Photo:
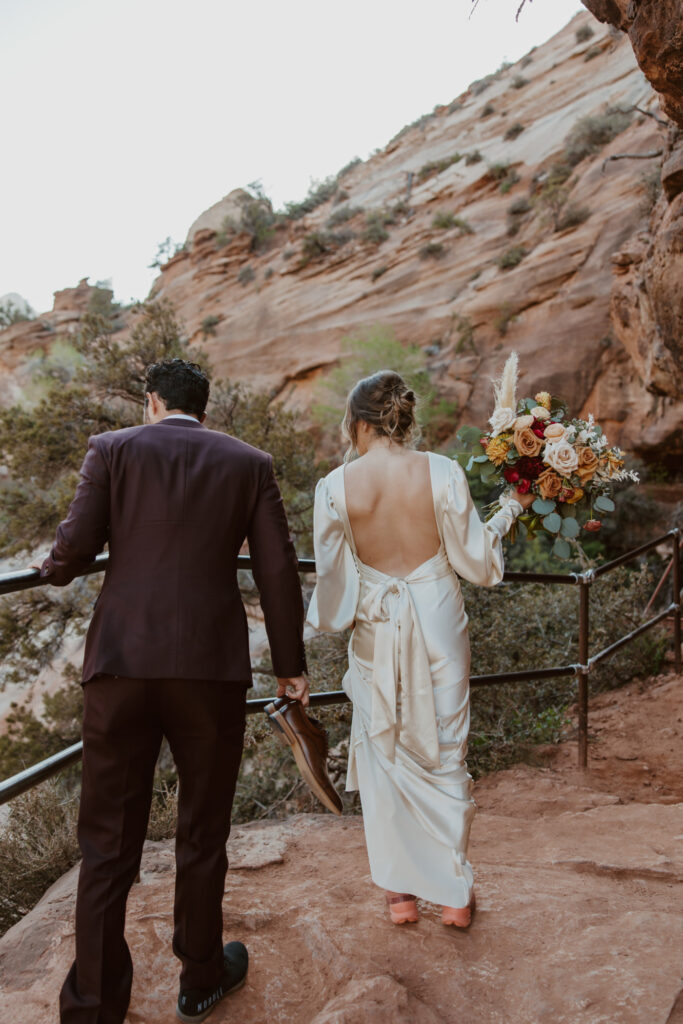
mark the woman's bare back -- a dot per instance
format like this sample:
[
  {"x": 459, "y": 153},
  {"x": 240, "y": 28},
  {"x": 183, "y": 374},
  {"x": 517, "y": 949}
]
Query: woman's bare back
[{"x": 391, "y": 509}]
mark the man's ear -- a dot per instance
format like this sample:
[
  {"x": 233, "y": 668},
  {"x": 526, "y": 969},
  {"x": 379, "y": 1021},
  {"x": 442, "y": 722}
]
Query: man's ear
[{"x": 202, "y": 417}]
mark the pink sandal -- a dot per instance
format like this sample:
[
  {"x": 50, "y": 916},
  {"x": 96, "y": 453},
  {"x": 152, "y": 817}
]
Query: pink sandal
[
  {"x": 402, "y": 908},
  {"x": 461, "y": 917}
]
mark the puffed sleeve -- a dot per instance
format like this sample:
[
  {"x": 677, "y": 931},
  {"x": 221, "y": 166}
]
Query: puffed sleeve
[
  {"x": 335, "y": 598},
  {"x": 474, "y": 548}
]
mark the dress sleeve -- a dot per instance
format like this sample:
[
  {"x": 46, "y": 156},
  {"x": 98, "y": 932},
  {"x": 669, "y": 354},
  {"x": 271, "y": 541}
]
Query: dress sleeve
[
  {"x": 474, "y": 548},
  {"x": 335, "y": 598}
]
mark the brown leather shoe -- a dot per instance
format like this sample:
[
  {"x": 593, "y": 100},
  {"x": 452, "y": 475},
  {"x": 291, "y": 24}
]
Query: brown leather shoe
[{"x": 308, "y": 741}]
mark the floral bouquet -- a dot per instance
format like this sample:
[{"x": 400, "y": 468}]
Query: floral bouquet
[{"x": 536, "y": 446}]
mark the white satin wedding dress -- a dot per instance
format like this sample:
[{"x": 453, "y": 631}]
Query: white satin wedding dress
[{"x": 408, "y": 678}]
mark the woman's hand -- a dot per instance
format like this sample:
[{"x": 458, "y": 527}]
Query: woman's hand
[{"x": 525, "y": 500}]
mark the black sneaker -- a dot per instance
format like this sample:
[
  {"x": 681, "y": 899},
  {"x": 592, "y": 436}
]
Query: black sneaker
[{"x": 195, "y": 1004}]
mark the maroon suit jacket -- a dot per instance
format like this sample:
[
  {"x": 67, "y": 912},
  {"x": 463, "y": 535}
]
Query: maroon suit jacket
[{"x": 175, "y": 502}]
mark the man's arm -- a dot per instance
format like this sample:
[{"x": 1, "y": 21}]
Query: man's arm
[
  {"x": 84, "y": 531},
  {"x": 275, "y": 568}
]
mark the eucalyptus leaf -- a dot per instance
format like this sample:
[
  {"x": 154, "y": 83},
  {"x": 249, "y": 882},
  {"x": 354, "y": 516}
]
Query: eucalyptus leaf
[
  {"x": 561, "y": 548},
  {"x": 543, "y": 506},
  {"x": 481, "y": 458},
  {"x": 552, "y": 523},
  {"x": 470, "y": 463},
  {"x": 570, "y": 528},
  {"x": 604, "y": 504},
  {"x": 469, "y": 435}
]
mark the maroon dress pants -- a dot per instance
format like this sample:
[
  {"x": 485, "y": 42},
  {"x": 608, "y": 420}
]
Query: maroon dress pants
[{"x": 124, "y": 721}]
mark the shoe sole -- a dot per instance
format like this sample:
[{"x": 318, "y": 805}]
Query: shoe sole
[
  {"x": 287, "y": 737},
  {"x": 202, "y": 1016}
]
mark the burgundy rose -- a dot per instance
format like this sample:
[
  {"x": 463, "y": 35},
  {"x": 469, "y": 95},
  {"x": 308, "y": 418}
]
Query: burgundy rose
[
  {"x": 524, "y": 486},
  {"x": 593, "y": 525},
  {"x": 538, "y": 428},
  {"x": 511, "y": 474},
  {"x": 529, "y": 467}
]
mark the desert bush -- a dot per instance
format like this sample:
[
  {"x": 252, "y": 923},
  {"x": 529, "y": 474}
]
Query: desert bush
[
  {"x": 590, "y": 134},
  {"x": 437, "y": 166},
  {"x": 342, "y": 215},
  {"x": 318, "y": 244},
  {"x": 513, "y": 131},
  {"x": 246, "y": 275},
  {"x": 519, "y": 206},
  {"x": 571, "y": 216},
  {"x": 366, "y": 352},
  {"x": 487, "y": 110},
  {"x": 465, "y": 334},
  {"x": 209, "y": 325},
  {"x": 519, "y": 81},
  {"x": 445, "y": 219},
  {"x": 498, "y": 171},
  {"x": 166, "y": 250},
  {"x": 432, "y": 251},
  {"x": 375, "y": 231},
  {"x": 593, "y": 52},
  {"x": 584, "y": 33},
  {"x": 11, "y": 313},
  {"x": 481, "y": 85},
  {"x": 503, "y": 318},
  {"x": 506, "y": 184},
  {"x": 474, "y": 157},
  {"x": 257, "y": 217},
  {"x": 379, "y": 271},
  {"x": 512, "y": 257},
  {"x": 319, "y": 192}
]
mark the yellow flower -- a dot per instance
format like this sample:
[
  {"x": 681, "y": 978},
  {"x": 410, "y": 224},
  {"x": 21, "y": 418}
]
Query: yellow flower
[
  {"x": 497, "y": 449},
  {"x": 543, "y": 398},
  {"x": 614, "y": 463},
  {"x": 576, "y": 494}
]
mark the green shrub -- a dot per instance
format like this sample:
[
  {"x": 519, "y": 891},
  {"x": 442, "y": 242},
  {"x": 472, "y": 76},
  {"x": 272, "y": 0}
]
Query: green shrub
[
  {"x": 318, "y": 244},
  {"x": 342, "y": 215},
  {"x": 590, "y": 134},
  {"x": 474, "y": 157},
  {"x": 503, "y": 318},
  {"x": 465, "y": 333},
  {"x": 432, "y": 251},
  {"x": 512, "y": 257},
  {"x": 487, "y": 110},
  {"x": 209, "y": 325},
  {"x": 584, "y": 33},
  {"x": 519, "y": 81},
  {"x": 571, "y": 216},
  {"x": 246, "y": 275},
  {"x": 498, "y": 171},
  {"x": 481, "y": 85},
  {"x": 593, "y": 52},
  {"x": 379, "y": 271},
  {"x": 511, "y": 179},
  {"x": 375, "y": 231},
  {"x": 513, "y": 131},
  {"x": 319, "y": 192},
  {"x": 166, "y": 250},
  {"x": 519, "y": 206},
  {"x": 437, "y": 166},
  {"x": 443, "y": 220}
]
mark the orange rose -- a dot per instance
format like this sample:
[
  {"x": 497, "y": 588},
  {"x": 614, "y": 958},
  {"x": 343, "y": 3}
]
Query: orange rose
[
  {"x": 588, "y": 463},
  {"x": 526, "y": 442},
  {"x": 549, "y": 484}
]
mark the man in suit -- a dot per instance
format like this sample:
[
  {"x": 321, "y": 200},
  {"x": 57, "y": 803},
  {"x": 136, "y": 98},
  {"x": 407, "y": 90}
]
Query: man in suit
[{"x": 167, "y": 654}]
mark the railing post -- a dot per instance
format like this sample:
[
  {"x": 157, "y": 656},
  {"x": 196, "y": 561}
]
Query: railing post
[
  {"x": 584, "y": 626},
  {"x": 676, "y": 597}
]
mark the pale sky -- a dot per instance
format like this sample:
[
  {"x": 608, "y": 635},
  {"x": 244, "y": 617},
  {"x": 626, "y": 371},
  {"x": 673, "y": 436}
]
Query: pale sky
[{"x": 123, "y": 120}]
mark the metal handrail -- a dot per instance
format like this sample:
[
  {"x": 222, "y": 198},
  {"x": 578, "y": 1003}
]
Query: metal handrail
[{"x": 30, "y": 578}]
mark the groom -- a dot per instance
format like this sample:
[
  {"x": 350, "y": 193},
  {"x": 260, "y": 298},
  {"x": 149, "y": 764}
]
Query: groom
[{"x": 167, "y": 654}]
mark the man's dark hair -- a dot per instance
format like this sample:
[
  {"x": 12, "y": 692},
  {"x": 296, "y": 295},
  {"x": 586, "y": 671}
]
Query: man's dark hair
[{"x": 180, "y": 385}]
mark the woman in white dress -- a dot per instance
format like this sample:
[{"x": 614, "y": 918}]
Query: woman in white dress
[{"x": 391, "y": 531}]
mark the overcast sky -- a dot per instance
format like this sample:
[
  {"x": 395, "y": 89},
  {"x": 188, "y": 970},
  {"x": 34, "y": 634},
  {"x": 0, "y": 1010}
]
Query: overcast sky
[{"x": 122, "y": 121}]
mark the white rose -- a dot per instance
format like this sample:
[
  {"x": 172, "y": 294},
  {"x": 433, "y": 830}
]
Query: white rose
[
  {"x": 561, "y": 456},
  {"x": 523, "y": 421},
  {"x": 502, "y": 419},
  {"x": 539, "y": 413}
]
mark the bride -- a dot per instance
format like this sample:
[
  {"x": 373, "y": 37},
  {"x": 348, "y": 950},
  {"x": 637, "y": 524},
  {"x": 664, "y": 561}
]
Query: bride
[{"x": 393, "y": 530}]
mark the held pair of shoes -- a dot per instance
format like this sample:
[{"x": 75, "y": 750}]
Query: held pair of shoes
[
  {"x": 195, "y": 1004},
  {"x": 308, "y": 741}
]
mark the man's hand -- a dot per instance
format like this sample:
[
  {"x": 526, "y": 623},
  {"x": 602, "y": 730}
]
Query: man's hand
[{"x": 298, "y": 688}]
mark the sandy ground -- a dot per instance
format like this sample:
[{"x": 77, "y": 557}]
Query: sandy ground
[{"x": 579, "y": 904}]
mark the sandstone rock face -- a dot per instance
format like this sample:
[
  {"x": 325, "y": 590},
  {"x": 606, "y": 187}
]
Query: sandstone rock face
[
  {"x": 213, "y": 218},
  {"x": 578, "y": 904},
  {"x": 655, "y": 29}
]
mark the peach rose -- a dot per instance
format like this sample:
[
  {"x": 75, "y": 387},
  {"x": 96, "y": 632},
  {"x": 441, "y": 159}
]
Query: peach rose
[
  {"x": 555, "y": 432},
  {"x": 561, "y": 456},
  {"x": 588, "y": 463},
  {"x": 549, "y": 484},
  {"x": 523, "y": 421},
  {"x": 539, "y": 412},
  {"x": 526, "y": 442}
]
